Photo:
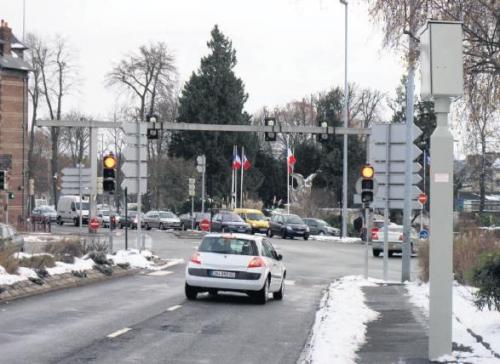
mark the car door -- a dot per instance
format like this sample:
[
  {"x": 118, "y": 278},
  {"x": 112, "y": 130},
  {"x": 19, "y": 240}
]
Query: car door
[
  {"x": 217, "y": 223},
  {"x": 274, "y": 265}
]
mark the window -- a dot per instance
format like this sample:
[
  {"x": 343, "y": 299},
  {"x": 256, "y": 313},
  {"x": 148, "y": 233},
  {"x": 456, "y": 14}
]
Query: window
[
  {"x": 269, "y": 250},
  {"x": 233, "y": 246}
]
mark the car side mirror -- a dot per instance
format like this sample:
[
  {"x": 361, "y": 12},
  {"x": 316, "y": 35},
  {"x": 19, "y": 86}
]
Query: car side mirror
[
  {"x": 73, "y": 209},
  {"x": 279, "y": 257}
]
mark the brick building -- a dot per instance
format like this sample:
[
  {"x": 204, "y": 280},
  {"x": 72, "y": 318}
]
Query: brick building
[{"x": 13, "y": 123}]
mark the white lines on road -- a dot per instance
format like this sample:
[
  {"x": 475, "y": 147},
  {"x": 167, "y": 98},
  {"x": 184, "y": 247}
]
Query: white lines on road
[
  {"x": 171, "y": 263},
  {"x": 119, "y": 332},
  {"x": 160, "y": 273},
  {"x": 173, "y": 308},
  {"x": 289, "y": 282}
]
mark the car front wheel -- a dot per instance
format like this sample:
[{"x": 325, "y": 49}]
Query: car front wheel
[
  {"x": 283, "y": 234},
  {"x": 306, "y": 236},
  {"x": 269, "y": 233},
  {"x": 376, "y": 253}
]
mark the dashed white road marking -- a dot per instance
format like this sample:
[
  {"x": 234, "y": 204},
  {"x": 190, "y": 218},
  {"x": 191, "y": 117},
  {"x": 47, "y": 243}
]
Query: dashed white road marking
[
  {"x": 173, "y": 308},
  {"x": 289, "y": 282},
  {"x": 171, "y": 263},
  {"x": 160, "y": 273},
  {"x": 119, "y": 332}
]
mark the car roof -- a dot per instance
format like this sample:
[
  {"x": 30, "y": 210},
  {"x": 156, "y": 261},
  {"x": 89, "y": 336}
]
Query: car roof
[
  {"x": 257, "y": 239},
  {"x": 247, "y": 211}
]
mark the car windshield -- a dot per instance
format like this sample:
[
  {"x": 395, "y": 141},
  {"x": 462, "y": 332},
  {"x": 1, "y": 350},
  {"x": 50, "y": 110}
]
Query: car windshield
[
  {"x": 323, "y": 223},
  {"x": 255, "y": 216},
  {"x": 231, "y": 218},
  {"x": 222, "y": 245},
  {"x": 47, "y": 209},
  {"x": 293, "y": 219},
  {"x": 167, "y": 215}
]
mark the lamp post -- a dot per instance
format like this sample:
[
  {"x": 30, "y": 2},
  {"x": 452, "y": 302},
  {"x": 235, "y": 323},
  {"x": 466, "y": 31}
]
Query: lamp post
[{"x": 346, "y": 105}]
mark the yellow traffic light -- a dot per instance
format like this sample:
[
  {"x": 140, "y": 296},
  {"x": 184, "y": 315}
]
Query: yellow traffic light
[
  {"x": 109, "y": 161},
  {"x": 367, "y": 171}
]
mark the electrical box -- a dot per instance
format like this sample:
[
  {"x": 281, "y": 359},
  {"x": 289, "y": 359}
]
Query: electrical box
[{"x": 441, "y": 59}]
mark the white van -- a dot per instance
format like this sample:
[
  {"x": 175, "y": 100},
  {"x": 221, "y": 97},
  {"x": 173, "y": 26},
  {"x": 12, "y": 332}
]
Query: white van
[{"x": 68, "y": 210}]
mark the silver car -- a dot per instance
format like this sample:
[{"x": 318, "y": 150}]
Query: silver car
[
  {"x": 161, "y": 220},
  {"x": 395, "y": 238},
  {"x": 9, "y": 238}
]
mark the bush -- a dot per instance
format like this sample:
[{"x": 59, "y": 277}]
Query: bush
[
  {"x": 486, "y": 276},
  {"x": 37, "y": 262},
  {"x": 8, "y": 261},
  {"x": 68, "y": 246},
  {"x": 468, "y": 246}
]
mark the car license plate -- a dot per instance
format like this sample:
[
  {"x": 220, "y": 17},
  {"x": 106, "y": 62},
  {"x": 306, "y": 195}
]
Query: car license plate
[{"x": 223, "y": 274}]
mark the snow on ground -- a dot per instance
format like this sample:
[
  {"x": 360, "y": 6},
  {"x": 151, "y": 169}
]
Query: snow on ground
[
  {"x": 41, "y": 237},
  {"x": 23, "y": 255},
  {"x": 340, "y": 325},
  {"x": 336, "y": 239},
  {"x": 133, "y": 257},
  {"x": 78, "y": 265},
  {"x": 466, "y": 318},
  {"x": 7, "y": 279}
]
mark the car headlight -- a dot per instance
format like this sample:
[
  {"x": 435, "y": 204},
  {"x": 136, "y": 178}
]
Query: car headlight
[
  {"x": 288, "y": 227},
  {"x": 307, "y": 228}
]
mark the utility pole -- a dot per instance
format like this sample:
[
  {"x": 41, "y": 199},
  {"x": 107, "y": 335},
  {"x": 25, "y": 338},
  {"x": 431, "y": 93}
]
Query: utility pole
[{"x": 346, "y": 123}]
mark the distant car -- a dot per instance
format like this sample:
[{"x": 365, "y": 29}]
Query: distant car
[
  {"x": 161, "y": 220},
  {"x": 69, "y": 209},
  {"x": 131, "y": 220},
  {"x": 256, "y": 219},
  {"x": 288, "y": 226},
  {"x": 104, "y": 216},
  {"x": 10, "y": 239},
  {"x": 188, "y": 221},
  {"x": 321, "y": 227},
  {"x": 230, "y": 222},
  {"x": 235, "y": 262},
  {"x": 44, "y": 213},
  {"x": 395, "y": 239}
]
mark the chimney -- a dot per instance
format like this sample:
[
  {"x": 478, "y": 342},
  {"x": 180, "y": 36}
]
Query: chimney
[{"x": 5, "y": 37}]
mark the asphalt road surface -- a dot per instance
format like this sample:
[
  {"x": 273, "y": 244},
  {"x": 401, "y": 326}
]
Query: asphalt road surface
[{"x": 146, "y": 318}]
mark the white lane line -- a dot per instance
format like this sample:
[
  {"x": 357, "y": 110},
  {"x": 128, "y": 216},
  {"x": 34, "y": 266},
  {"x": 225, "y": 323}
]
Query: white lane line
[
  {"x": 171, "y": 263},
  {"x": 289, "y": 283},
  {"x": 160, "y": 273},
  {"x": 119, "y": 332},
  {"x": 173, "y": 308}
]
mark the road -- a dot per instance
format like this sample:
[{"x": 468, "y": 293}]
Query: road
[{"x": 150, "y": 321}]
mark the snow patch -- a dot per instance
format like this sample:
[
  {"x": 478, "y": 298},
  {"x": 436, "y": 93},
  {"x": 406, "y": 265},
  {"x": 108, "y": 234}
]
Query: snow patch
[
  {"x": 7, "y": 279},
  {"x": 340, "y": 326},
  {"x": 133, "y": 257},
  {"x": 336, "y": 239},
  {"x": 78, "y": 265},
  {"x": 466, "y": 317}
]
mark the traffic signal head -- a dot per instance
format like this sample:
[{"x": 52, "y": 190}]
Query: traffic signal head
[
  {"x": 367, "y": 184},
  {"x": 324, "y": 136},
  {"x": 3, "y": 180},
  {"x": 108, "y": 173},
  {"x": 270, "y": 136}
]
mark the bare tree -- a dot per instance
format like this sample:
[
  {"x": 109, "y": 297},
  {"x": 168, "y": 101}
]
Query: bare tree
[
  {"x": 481, "y": 113},
  {"x": 365, "y": 105},
  {"x": 75, "y": 140}
]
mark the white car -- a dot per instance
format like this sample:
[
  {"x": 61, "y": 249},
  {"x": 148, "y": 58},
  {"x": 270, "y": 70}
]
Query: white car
[{"x": 238, "y": 263}]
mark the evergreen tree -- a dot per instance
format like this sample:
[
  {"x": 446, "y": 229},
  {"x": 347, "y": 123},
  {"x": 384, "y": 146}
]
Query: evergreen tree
[{"x": 214, "y": 95}]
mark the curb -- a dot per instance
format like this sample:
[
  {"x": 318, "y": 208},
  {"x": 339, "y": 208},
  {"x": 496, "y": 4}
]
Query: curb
[{"x": 61, "y": 281}]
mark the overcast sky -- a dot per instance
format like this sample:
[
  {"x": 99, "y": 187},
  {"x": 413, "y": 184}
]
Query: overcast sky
[{"x": 286, "y": 49}]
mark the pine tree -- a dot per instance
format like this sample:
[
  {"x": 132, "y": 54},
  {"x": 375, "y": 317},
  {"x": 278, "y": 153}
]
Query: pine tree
[{"x": 214, "y": 95}]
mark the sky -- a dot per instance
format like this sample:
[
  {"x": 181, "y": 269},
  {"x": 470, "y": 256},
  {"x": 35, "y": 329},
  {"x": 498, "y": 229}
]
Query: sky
[{"x": 286, "y": 49}]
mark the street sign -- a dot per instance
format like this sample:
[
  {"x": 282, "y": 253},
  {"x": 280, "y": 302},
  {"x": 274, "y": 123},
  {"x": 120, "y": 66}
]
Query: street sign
[
  {"x": 397, "y": 152},
  {"x": 398, "y": 132},
  {"x": 205, "y": 225},
  {"x": 131, "y": 185},
  {"x": 76, "y": 172},
  {"x": 397, "y": 192},
  {"x": 395, "y": 167},
  {"x": 84, "y": 179},
  {"x": 191, "y": 181},
  {"x": 393, "y": 204},
  {"x": 395, "y": 179},
  {"x": 131, "y": 128},
  {"x": 85, "y": 185},
  {"x": 424, "y": 234},
  {"x": 129, "y": 170},
  {"x": 94, "y": 224},
  {"x": 131, "y": 140},
  {"x": 422, "y": 198},
  {"x": 129, "y": 153}
]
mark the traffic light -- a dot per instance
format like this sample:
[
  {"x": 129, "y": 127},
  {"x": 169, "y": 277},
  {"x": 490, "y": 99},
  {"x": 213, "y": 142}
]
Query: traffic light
[
  {"x": 323, "y": 137},
  {"x": 108, "y": 173},
  {"x": 152, "y": 133},
  {"x": 270, "y": 136},
  {"x": 367, "y": 184},
  {"x": 3, "y": 180}
]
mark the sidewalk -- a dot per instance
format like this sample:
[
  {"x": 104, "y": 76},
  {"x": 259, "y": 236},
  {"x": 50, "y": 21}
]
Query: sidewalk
[{"x": 399, "y": 335}]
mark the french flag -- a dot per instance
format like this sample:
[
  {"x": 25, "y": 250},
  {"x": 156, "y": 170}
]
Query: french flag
[
  {"x": 246, "y": 163},
  {"x": 291, "y": 160},
  {"x": 236, "y": 161}
]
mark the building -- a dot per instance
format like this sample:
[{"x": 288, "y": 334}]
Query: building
[{"x": 13, "y": 125}]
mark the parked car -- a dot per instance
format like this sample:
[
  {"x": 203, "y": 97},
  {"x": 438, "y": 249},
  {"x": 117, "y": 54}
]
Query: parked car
[
  {"x": 44, "y": 214},
  {"x": 395, "y": 238},
  {"x": 131, "y": 220},
  {"x": 9, "y": 238},
  {"x": 69, "y": 208},
  {"x": 241, "y": 263},
  {"x": 321, "y": 227},
  {"x": 161, "y": 220},
  {"x": 230, "y": 222},
  {"x": 256, "y": 219},
  {"x": 288, "y": 225}
]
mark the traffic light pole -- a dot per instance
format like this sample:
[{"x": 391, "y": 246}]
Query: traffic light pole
[{"x": 367, "y": 237}]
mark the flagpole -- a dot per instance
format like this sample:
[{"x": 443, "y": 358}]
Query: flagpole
[
  {"x": 233, "y": 203},
  {"x": 242, "y": 161},
  {"x": 287, "y": 178}
]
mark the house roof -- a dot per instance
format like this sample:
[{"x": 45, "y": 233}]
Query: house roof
[{"x": 14, "y": 63}]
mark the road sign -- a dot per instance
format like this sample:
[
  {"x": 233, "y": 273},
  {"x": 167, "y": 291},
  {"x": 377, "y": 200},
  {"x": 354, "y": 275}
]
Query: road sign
[
  {"x": 191, "y": 181},
  {"x": 129, "y": 170},
  {"x": 423, "y": 234},
  {"x": 396, "y": 179},
  {"x": 397, "y": 192},
  {"x": 395, "y": 167},
  {"x": 398, "y": 132},
  {"x": 379, "y": 203},
  {"x": 205, "y": 225},
  {"x": 75, "y": 184},
  {"x": 131, "y": 185},
  {"x": 76, "y": 172},
  {"x": 131, "y": 128},
  {"x": 397, "y": 152},
  {"x": 422, "y": 198},
  {"x": 131, "y": 140},
  {"x": 94, "y": 224}
]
